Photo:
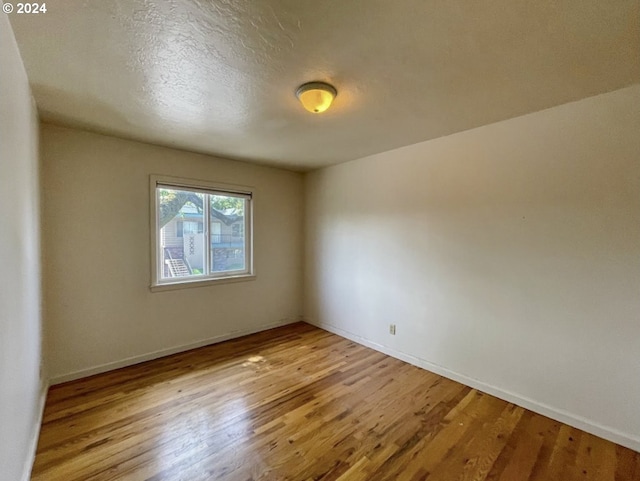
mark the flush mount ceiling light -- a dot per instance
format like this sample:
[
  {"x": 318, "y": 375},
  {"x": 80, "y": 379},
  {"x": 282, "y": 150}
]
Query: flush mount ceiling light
[{"x": 316, "y": 97}]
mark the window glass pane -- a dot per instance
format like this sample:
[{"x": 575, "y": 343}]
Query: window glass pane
[
  {"x": 202, "y": 234},
  {"x": 189, "y": 227},
  {"x": 227, "y": 237},
  {"x": 182, "y": 243}
]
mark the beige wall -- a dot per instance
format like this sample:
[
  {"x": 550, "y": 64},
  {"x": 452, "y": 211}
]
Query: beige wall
[
  {"x": 100, "y": 311},
  {"x": 508, "y": 256},
  {"x": 21, "y": 389}
]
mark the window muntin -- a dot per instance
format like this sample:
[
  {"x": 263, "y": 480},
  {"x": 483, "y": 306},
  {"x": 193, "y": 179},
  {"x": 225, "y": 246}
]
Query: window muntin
[{"x": 190, "y": 249}]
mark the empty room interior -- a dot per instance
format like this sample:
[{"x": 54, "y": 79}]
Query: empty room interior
[{"x": 333, "y": 240}]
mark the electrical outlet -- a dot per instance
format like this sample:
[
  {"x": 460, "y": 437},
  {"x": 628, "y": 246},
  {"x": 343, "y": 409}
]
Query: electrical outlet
[{"x": 392, "y": 329}]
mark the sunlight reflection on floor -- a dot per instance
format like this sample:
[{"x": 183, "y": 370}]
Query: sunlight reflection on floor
[{"x": 204, "y": 430}]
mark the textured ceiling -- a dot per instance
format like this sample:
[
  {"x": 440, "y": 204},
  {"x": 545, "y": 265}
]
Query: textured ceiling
[{"x": 219, "y": 76}]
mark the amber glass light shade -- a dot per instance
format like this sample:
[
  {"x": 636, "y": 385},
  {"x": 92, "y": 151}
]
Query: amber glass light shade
[{"x": 316, "y": 97}]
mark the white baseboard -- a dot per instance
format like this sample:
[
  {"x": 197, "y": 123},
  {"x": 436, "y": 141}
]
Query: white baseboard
[
  {"x": 35, "y": 433},
  {"x": 624, "y": 439},
  {"x": 110, "y": 366}
]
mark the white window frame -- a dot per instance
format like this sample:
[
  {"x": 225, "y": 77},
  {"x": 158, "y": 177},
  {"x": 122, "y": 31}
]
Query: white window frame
[{"x": 159, "y": 284}]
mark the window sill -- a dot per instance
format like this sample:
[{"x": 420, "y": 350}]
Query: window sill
[{"x": 202, "y": 283}]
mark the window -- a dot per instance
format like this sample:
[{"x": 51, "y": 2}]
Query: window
[
  {"x": 188, "y": 248},
  {"x": 238, "y": 229},
  {"x": 183, "y": 227}
]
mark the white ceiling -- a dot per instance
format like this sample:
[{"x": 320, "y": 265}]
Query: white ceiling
[{"x": 219, "y": 76}]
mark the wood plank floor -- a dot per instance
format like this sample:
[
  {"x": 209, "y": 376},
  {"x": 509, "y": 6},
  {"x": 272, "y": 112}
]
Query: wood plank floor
[{"x": 298, "y": 403}]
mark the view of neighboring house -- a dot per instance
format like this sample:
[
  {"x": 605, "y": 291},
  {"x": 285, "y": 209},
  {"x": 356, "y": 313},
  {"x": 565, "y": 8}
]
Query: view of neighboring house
[{"x": 183, "y": 243}]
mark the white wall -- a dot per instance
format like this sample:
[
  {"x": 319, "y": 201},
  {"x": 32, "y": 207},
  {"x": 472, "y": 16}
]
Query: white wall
[
  {"x": 508, "y": 256},
  {"x": 21, "y": 392},
  {"x": 100, "y": 311}
]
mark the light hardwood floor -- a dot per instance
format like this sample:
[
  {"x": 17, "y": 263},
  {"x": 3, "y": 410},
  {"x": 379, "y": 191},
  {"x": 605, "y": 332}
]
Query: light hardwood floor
[{"x": 298, "y": 403}]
